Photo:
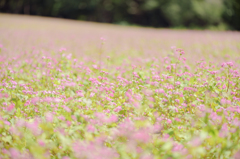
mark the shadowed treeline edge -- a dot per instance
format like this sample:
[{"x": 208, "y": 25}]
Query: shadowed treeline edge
[{"x": 201, "y": 14}]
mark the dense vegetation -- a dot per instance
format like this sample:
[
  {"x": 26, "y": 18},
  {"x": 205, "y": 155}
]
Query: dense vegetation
[
  {"x": 158, "y": 13},
  {"x": 66, "y": 94},
  {"x": 60, "y": 107}
]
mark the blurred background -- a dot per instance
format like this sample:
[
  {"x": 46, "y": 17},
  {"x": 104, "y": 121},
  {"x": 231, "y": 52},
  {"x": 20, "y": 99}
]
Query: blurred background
[{"x": 193, "y": 14}]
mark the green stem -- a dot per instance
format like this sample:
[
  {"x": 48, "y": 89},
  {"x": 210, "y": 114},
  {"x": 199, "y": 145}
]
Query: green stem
[
  {"x": 174, "y": 79},
  {"x": 228, "y": 80},
  {"x": 100, "y": 58}
]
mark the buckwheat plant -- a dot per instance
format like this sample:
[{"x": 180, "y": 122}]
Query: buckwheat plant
[{"x": 56, "y": 104}]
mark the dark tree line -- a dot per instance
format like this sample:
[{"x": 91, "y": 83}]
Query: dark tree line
[{"x": 156, "y": 13}]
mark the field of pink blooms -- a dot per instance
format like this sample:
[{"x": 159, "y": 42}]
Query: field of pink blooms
[{"x": 82, "y": 90}]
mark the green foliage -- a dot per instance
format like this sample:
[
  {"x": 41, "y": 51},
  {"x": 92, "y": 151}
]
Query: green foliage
[{"x": 156, "y": 13}]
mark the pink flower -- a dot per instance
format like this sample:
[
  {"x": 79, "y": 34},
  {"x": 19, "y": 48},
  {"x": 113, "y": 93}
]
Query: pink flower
[
  {"x": 224, "y": 86},
  {"x": 182, "y": 53},
  {"x": 102, "y": 38},
  {"x": 92, "y": 94},
  {"x": 69, "y": 56},
  {"x": 142, "y": 135},
  {"x": 10, "y": 107},
  {"x": 224, "y": 131},
  {"x": 67, "y": 109},
  {"x": 159, "y": 91},
  {"x": 177, "y": 147},
  {"x": 223, "y": 101},
  {"x": 90, "y": 128},
  {"x": 166, "y": 136},
  {"x": 169, "y": 121},
  {"x": 34, "y": 128},
  {"x": 113, "y": 119},
  {"x": 157, "y": 128},
  {"x": 61, "y": 117},
  {"x": 69, "y": 123},
  {"x": 195, "y": 142},
  {"x": 184, "y": 104},
  {"x": 223, "y": 64},
  {"x": 237, "y": 155},
  {"x": 230, "y": 64},
  {"x": 119, "y": 108},
  {"x": 176, "y": 110},
  {"x": 80, "y": 94},
  {"x": 41, "y": 143},
  {"x": 62, "y": 49},
  {"x": 168, "y": 67},
  {"x": 146, "y": 157},
  {"x": 49, "y": 117},
  {"x": 228, "y": 102},
  {"x": 7, "y": 122},
  {"x": 14, "y": 153},
  {"x": 178, "y": 83},
  {"x": 20, "y": 123},
  {"x": 95, "y": 66},
  {"x": 173, "y": 47}
]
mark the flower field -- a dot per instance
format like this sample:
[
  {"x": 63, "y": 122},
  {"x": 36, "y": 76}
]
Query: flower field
[{"x": 84, "y": 90}]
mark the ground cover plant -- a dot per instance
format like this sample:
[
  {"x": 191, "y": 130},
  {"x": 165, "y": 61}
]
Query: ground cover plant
[{"x": 84, "y": 90}]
